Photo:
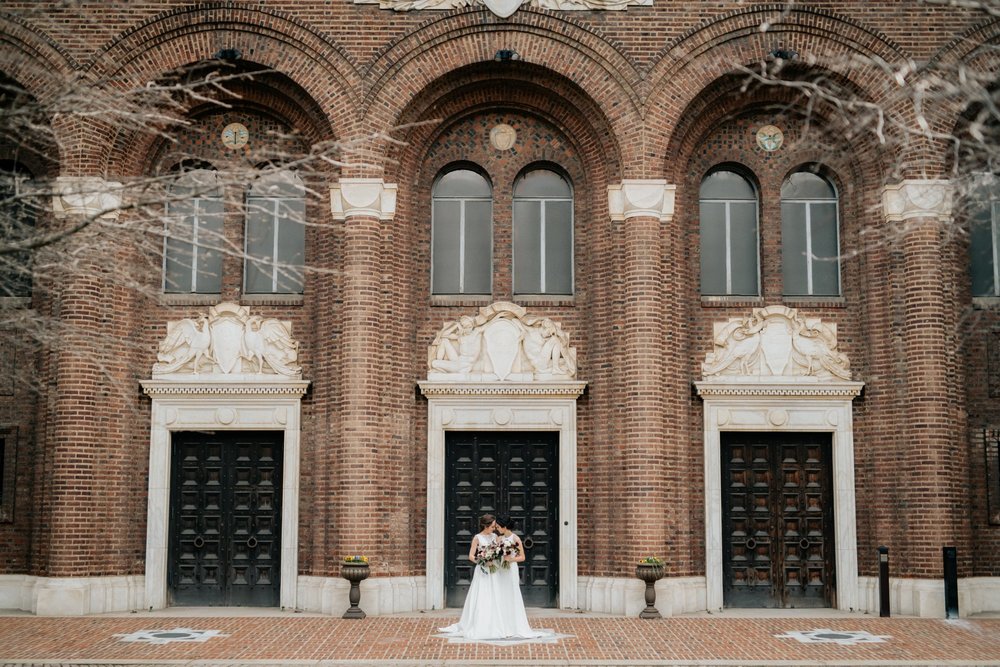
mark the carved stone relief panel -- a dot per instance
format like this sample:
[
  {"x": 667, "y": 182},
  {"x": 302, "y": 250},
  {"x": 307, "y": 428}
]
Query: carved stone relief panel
[
  {"x": 778, "y": 342},
  {"x": 502, "y": 343},
  {"x": 228, "y": 341}
]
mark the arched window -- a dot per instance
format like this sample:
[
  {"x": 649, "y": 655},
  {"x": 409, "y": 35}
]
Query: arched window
[
  {"x": 18, "y": 211},
  {"x": 810, "y": 242},
  {"x": 192, "y": 257},
  {"x": 461, "y": 233},
  {"x": 275, "y": 235},
  {"x": 984, "y": 235},
  {"x": 729, "y": 238},
  {"x": 543, "y": 234}
]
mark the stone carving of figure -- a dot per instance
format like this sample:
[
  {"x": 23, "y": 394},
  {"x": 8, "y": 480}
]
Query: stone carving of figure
[
  {"x": 186, "y": 340},
  {"x": 458, "y": 346},
  {"x": 268, "y": 340},
  {"x": 814, "y": 348},
  {"x": 546, "y": 349}
]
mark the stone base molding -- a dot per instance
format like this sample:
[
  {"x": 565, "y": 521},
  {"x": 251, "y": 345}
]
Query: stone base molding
[
  {"x": 626, "y": 597},
  {"x": 925, "y": 597},
  {"x": 641, "y": 198},
  {"x": 370, "y": 197},
  {"x": 379, "y": 595},
  {"x": 917, "y": 199},
  {"x": 72, "y": 596}
]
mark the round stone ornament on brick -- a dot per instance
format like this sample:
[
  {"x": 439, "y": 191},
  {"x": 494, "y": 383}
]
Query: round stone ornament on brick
[
  {"x": 235, "y": 135},
  {"x": 503, "y": 137},
  {"x": 770, "y": 138}
]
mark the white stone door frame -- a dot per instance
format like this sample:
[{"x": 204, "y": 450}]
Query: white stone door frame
[
  {"x": 233, "y": 404},
  {"x": 783, "y": 407},
  {"x": 501, "y": 406}
]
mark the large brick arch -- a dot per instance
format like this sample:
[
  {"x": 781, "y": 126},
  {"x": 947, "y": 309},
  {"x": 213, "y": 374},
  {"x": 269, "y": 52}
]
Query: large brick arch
[
  {"x": 441, "y": 46},
  {"x": 174, "y": 39},
  {"x": 717, "y": 49},
  {"x": 33, "y": 58}
]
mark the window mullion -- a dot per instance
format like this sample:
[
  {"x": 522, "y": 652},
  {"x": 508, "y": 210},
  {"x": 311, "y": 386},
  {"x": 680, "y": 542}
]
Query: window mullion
[
  {"x": 729, "y": 252},
  {"x": 274, "y": 247},
  {"x": 461, "y": 247},
  {"x": 809, "y": 252},
  {"x": 541, "y": 247},
  {"x": 194, "y": 244},
  {"x": 995, "y": 224}
]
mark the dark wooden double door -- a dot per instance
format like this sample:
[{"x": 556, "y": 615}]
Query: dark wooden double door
[
  {"x": 495, "y": 473},
  {"x": 777, "y": 520},
  {"x": 225, "y": 511}
]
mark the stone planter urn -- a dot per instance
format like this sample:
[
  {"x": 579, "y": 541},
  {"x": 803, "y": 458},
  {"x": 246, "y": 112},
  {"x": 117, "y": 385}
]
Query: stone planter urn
[
  {"x": 354, "y": 572},
  {"x": 650, "y": 573}
]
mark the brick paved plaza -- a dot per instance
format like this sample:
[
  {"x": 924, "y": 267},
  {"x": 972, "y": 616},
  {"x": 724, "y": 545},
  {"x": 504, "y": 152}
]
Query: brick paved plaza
[{"x": 410, "y": 640}]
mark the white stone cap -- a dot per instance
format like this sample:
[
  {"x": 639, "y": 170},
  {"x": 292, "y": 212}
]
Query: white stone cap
[
  {"x": 228, "y": 385},
  {"x": 566, "y": 389},
  {"x": 87, "y": 196},
  {"x": 369, "y": 197},
  {"x": 779, "y": 387},
  {"x": 917, "y": 199},
  {"x": 640, "y": 197}
]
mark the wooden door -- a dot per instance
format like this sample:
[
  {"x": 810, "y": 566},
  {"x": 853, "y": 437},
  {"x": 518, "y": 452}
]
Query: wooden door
[
  {"x": 225, "y": 515},
  {"x": 503, "y": 472},
  {"x": 777, "y": 520}
]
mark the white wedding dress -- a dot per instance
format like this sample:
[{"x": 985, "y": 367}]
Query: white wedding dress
[
  {"x": 482, "y": 616},
  {"x": 515, "y": 620}
]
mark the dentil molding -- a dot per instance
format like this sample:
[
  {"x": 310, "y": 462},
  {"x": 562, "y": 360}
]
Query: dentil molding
[
  {"x": 369, "y": 197},
  {"x": 636, "y": 197},
  {"x": 917, "y": 199},
  {"x": 87, "y": 197}
]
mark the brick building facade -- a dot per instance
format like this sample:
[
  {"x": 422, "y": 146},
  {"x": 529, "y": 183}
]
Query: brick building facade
[{"x": 603, "y": 281}]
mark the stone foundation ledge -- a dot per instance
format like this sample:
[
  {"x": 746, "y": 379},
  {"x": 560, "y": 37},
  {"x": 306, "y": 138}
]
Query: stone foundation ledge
[
  {"x": 72, "y": 596},
  {"x": 379, "y": 595},
  {"x": 626, "y": 597},
  {"x": 925, "y": 597}
]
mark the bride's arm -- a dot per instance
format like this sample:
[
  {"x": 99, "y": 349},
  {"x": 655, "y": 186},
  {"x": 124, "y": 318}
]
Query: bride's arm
[{"x": 472, "y": 549}]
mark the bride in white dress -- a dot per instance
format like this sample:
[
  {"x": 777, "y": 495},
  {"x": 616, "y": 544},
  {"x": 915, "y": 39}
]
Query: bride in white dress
[
  {"x": 482, "y": 615},
  {"x": 509, "y": 600}
]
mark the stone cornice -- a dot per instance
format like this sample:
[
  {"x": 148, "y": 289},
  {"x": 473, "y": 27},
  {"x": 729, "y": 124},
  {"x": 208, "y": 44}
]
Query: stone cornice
[
  {"x": 917, "y": 199},
  {"x": 369, "y": 197},
  {"x": 570, "y": 389},
  {"x": 635, "y": 198},
  {"x": 266, "y": 385},
  {"x": 710, "y": 388}
]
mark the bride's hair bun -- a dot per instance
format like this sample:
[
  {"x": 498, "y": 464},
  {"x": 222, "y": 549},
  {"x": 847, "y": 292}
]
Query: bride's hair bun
[{"x": 504, "y": 521}]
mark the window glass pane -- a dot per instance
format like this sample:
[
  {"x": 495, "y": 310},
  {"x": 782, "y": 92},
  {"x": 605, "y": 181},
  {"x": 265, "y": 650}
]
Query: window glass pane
[
  {"x": 17, "y": 222},
  {"x": 209, "y": 246},
  {"x": 804, "y": 185},
  {"x": 462, "y": 183},
  {"x": 260, "y": 246},
  {"x": 478, "y": 247},
  {"x": 542, "y": 183},
  {"x": 178, "y": 249},
  {"x": 726, "y": 185},
  {"x": 981, "y": 250},
  {"x": 291, "y": 246},
  {"x": 282, "y": 184},
  {"x": 826, "y": 262},
  {"x": 558, "y": 247},
  {"x": 527, "y": 247},
  {"x": 793, "y": 249},
  {"x": 713, "y": 248},
  {"x": 445, "y": 249},
  {"x": 743, "y": 247}
]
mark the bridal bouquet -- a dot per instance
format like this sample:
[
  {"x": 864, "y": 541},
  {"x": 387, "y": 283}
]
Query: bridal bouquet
[
  {"x": 507, "y": 549},
  {"x": 489, "y": 557}
]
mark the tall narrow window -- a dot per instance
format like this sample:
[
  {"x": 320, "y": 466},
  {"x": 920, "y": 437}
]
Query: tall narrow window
[
  {"x": 543, "y": 234},
  {"x": 810, "y": 243},
  {"x": 192, "y": 258},
  {"x": 462, "y": 234},
  {"x": 729, "y": 243},
  {"x": 18, "y": 211},
  {"x": 275, "y": 235},
  {"x": 984, "y": 236}
]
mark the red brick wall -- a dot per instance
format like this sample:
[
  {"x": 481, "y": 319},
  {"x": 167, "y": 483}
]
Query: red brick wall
[{"x": 644, "y": 93}]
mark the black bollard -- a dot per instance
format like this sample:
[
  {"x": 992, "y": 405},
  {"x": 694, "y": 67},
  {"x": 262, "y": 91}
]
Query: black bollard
[
  {"x": 950, "y": 581},
  {"x": 883, "y": 582}
]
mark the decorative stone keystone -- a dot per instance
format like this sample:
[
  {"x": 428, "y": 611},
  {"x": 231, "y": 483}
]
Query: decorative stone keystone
[
  {"x": 87, "y": 196},
  {"x": 917, "y": 199},
  {"x": 363, "y": 197},
  {"x": 635, "y": 198}
]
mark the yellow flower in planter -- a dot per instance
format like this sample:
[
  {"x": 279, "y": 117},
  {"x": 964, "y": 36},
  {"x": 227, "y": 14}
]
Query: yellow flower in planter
[
  {"x": 356, "y": 559},
  {"x": 650, "y": 560}
]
